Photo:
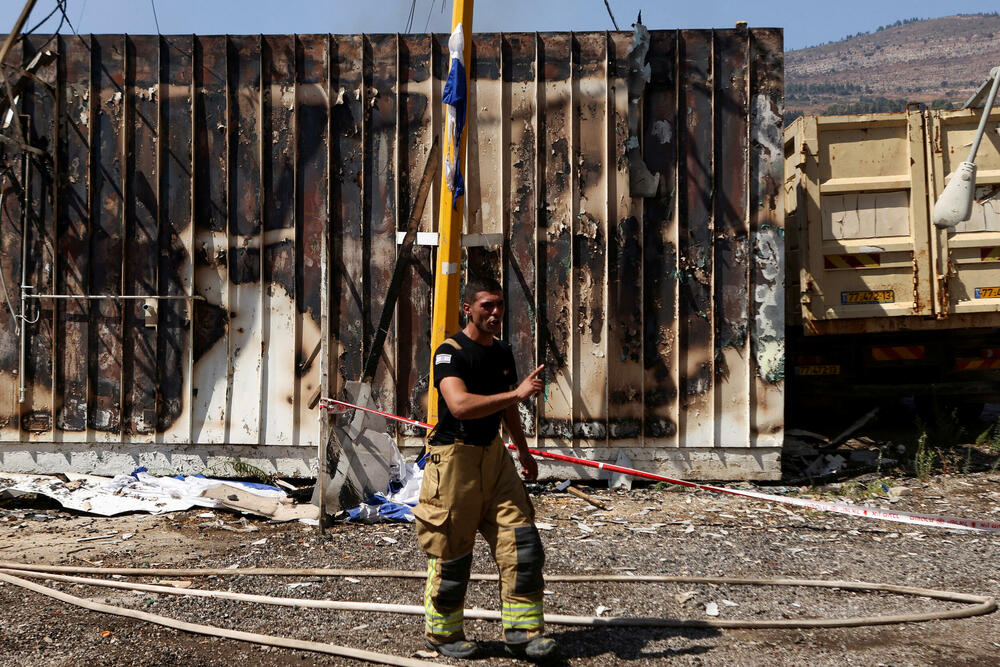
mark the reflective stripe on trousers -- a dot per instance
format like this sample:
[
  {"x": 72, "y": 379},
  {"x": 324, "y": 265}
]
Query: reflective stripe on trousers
[
  {"x": 437, "y": 623},
  {"x": 521, "y": 616}
]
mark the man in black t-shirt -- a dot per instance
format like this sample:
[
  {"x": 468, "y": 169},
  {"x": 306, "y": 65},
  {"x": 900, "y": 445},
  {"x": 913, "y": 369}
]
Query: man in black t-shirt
[
  {"x": 486, "y": 370},
  {"x": 470, "y": 484}
]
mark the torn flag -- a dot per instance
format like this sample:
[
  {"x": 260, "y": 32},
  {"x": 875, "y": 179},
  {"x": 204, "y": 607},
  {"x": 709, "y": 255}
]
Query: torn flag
[{"x": 454, "y": 97}]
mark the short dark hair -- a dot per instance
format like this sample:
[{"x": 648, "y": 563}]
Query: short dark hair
[{"x": 477, "y": 285}]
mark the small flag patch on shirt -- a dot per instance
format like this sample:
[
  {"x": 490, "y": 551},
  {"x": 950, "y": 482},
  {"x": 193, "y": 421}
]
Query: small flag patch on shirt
[{"x": 442, "y": 359}]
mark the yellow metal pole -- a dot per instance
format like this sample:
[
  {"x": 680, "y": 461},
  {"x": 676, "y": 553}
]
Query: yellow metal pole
[{"x": 449, "y": 255}]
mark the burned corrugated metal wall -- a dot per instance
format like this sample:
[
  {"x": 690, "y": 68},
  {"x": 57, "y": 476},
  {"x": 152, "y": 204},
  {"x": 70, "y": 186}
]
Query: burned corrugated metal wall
[{"x": 627, "y": 190}]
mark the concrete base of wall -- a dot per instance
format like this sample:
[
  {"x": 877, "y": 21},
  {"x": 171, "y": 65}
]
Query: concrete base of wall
[
  {"x": 160, "y": 459},
  {"x": 692, "y": 464}
]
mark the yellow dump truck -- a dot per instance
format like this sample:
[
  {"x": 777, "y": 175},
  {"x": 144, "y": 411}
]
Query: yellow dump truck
[{"x": 881, "y": 302}]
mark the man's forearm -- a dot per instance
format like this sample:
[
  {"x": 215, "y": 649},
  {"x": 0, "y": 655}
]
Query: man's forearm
[{"x": 476, "y": 406}]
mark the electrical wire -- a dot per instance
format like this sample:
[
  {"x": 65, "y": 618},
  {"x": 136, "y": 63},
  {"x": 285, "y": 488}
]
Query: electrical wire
[
  {"x": 79, "y": 19},
  {"x": 152, "y": 3},
  {"x": 409, "y": 20},
  {"x": 42, "y": 22},
  {"x": 62, "y": 8},
  {"x": 613, "y": 21},
  {"x": 430, "y": 10},
  {"x": 63, "y": 19}
]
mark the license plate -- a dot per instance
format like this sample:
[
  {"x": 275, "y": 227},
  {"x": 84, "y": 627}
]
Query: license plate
[
  {"x": 988, "y": 292},
  {"x": 867, "y": 297},
  {"x": 818, "y": 369}
]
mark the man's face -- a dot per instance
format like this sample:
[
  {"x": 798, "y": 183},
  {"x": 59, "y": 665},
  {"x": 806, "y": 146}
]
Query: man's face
[{"x": 485, "y": 312}]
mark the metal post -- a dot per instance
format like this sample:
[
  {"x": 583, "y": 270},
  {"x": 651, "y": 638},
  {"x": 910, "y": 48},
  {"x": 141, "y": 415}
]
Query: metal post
[
  {"x": 22, "y": 361},
  {"x": 322, "y": 474},
  {"x": 449, "y": 254},
  {"x": 14, "y": 35}
]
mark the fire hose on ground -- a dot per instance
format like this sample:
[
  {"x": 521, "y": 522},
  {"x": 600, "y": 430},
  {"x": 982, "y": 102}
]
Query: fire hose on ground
[{"x": 13, "y": 573}]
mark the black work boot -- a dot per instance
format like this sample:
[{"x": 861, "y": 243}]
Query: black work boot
[
  {"x": 459, "y": 648},
  {"x": 537, "y": 649}
]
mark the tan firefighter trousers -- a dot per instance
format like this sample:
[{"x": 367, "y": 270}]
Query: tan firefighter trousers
[{"x": 469, "y": 488}]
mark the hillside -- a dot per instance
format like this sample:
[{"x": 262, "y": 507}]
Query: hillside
[{"x": 934, "y": 61}]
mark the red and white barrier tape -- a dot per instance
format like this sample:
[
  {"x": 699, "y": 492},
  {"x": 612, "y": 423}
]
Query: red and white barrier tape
[{"x": 931, "y": 520}]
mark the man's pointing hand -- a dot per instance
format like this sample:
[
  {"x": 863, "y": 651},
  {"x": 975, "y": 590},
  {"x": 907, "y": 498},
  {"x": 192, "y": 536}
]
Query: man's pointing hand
[{"x": 531, "y": 385}]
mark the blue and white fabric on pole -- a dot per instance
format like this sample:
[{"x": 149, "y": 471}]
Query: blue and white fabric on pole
[{"x": 454, "y": 96}]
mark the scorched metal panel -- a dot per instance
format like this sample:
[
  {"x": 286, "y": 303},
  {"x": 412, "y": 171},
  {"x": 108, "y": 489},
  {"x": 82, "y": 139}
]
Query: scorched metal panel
[{"x": 201, "y": 191}]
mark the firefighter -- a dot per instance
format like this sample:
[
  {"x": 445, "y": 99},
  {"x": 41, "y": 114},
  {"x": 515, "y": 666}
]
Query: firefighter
[{"x": 470, "y": 484}]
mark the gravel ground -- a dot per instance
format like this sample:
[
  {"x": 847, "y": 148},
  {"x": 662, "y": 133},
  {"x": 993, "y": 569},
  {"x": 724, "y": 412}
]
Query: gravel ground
[{"x": 647, "y": 530}]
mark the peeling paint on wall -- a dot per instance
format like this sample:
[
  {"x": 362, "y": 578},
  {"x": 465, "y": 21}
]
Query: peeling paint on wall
[
  {"x": 769, "y": 298},
  {"x": 768, "y": 137},
  {"x": 642, "y": 182}
]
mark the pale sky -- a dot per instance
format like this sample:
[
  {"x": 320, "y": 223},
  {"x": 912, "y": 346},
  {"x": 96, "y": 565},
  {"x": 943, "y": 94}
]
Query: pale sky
[{"x": 805, "y": 24}]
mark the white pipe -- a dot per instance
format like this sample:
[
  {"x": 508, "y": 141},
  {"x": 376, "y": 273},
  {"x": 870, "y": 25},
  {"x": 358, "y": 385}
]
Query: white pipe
[
  {"x": 978, "y": 604},
  {"x": 211, "y": 630}
]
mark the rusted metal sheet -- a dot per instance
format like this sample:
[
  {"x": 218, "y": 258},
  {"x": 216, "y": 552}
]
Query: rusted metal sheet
[
  {"x": 413, "y": 313},
  {"x": 485, "y": 164},
  {"x": 732, "y": 252},
  {"x": 245, "y": 232},
  {"x": 39, "y": 257},
  {"x": 555, "y": 236},
  {"x": 589, "y": 178},
  {"x": 659, "y": 349},
  {"x": 696, "y": 259},
  {"x": 73, "y": 234},
  {"x": 382, "y": 218},
  {"x": 210, "y": 324},
  {"x": 142, "y": 234},
  {"x": 767, "y": 238},
  {"x": 107, "y": 229},
  {"x": 624, "y": 253},
  {"x": 624, "y": 188},
  {"x": 625, "y": 261},
  {"x": 313, "y": 205},
  {"x": 519, "y": 208},
  {"x": 347, "y": 194},
  {"x": 278, "y": 415},
  {"x": 11, "y": 236},
  {"x": 176, "y": 239}
]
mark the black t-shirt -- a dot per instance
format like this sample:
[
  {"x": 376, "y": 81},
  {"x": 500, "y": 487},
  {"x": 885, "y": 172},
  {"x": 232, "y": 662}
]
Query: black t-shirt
[{"x": 486, "y": 370}]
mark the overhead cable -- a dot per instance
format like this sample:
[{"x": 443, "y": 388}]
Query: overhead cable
[
  {"x": 79, "y": 19},
  {"x": 613, "y": 21},
  {"x": 65, "y": 16},
  {"x": 409, "y": 20},
  {"x": 42, "y": 22},
  {"x": 152, "y": 3},
  {"x": 430, "y": 10}
]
